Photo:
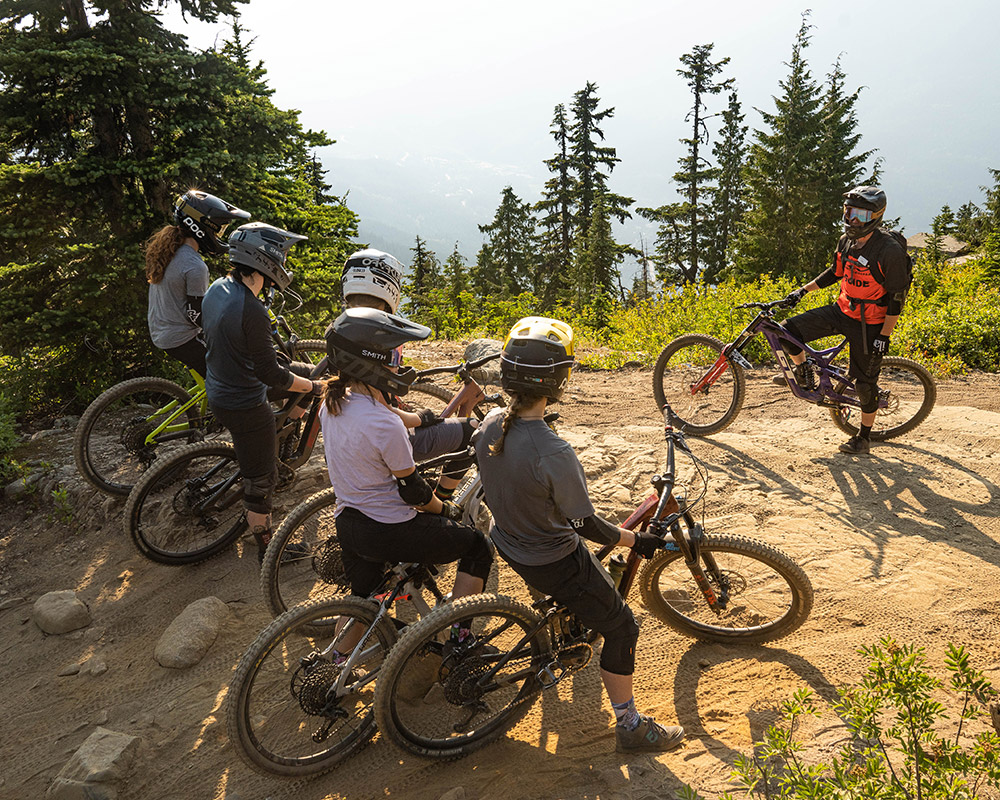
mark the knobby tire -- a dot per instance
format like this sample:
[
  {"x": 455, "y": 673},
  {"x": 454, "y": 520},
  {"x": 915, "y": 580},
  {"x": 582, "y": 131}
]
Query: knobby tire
[
  {"x": 682, "y": 364},
  {"x": 908, "y": 406}
]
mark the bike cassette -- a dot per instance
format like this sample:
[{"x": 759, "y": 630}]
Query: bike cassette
[
  {"x": 311, "y": 685},
  {"x": 328, "y": 563},
  {"x": 462, "y": 683},
  {"x": 133, "y": 438}
]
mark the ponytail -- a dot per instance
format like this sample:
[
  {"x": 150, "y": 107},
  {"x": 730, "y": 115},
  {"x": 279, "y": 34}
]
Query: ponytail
[
  {"x": 333, "y": 392},
  {"x": 518, "y": 403},
  {"x": 160, "y": 248}
]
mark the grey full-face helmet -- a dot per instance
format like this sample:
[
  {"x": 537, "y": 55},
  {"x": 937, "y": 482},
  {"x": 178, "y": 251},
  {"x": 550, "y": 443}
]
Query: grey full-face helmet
[
  {"x": 263, "y": 248},
  {"x": 205, "y": 217}
]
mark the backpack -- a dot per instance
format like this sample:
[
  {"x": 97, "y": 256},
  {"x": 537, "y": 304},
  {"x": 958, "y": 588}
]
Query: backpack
[{"x": 907, "y": 260}]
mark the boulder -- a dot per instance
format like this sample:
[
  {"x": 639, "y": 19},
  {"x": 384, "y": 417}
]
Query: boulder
[
  {"x": 60, "y": 612},
  {"x": 191, "y": 634},
  {"x": 97, "y": 769},
  {"x": 480, "y": 348}
]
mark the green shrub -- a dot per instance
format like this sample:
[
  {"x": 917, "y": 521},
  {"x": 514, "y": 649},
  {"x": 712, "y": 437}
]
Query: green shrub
[
  {"x": 901, "y": 744},
  {"x": 9, "y": 468}
]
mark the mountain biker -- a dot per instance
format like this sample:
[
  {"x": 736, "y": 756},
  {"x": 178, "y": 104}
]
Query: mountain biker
[
  {"x": 537, "y": 491},
  {"x": 243, "y": 364},
  {"x": 866, "y": 310},
  {"x": 178, "y": 276},
  {"x": 386, "y": 511},
  {"x": 373, "y": 279}
]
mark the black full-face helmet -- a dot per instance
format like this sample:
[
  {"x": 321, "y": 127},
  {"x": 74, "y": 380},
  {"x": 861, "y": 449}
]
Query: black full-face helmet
[
  {"x": 864, "y": 207},
  {"x": 205, "y": 217},
  {"x": 537, "y": 358},
  {"x": 263, "y": 248},
  {"x": 362, "y": 344}
]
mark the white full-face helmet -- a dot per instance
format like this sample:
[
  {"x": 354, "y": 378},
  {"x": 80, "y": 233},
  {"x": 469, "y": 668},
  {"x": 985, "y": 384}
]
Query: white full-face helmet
[{"x": 373, "y": 273}]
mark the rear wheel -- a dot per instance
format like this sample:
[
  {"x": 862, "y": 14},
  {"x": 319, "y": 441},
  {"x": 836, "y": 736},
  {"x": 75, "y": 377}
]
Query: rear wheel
[
  {"x": 303, "y": 560},
  {"x": 110, "y": 445},
  {"x": 444, "y": 699},
  {"x": 766, "y": 594},
  {"x": 442, "y": 396},
  {"x": 189, "y": 507},
  {"x": 681, "y": 366},
  {"x": 291, "y": 709},
  {"x": 310, "y": 351},
  {"x": 911, "y": 393}
]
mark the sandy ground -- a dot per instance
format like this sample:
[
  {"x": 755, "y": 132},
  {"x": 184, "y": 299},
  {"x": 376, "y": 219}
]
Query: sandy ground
[{"x": 904, "y": 543}]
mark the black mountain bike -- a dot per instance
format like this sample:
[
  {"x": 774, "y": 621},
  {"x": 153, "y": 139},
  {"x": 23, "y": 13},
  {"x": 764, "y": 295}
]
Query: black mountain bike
[
  {"x": 442, "y": 698},
  {"x": 704, "y": 381}
]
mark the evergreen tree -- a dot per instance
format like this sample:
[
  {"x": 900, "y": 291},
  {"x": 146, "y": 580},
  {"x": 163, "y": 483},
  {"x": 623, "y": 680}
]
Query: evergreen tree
[
  {"x": 105, "y": 117},
  {"x": 456, "y": 276},
  {"x": 671, "y": 245},
  {"x": 509, "y": 250},
  {"x": 839, "y": 167},
  {"x": 947, "y": 220},
  {"x": 422, "y": 281},
  {"x": 588, "y": 157},
  {"x": 969, "y": 224},
  {"x": 785, "y": 191},
  {"x": 991, "y": 209},
  {"x": 934, "y": 248},
  {"x": 700, "y": 72},
  {"x": 557, "y": 221},
  {"x": 727, "y": 199}
]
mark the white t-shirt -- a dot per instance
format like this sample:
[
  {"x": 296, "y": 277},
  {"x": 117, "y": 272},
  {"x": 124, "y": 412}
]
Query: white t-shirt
[{"x": 365, "y": 443}]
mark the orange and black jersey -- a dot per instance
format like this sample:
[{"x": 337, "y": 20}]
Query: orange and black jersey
[{"x": 872, "y": 278}]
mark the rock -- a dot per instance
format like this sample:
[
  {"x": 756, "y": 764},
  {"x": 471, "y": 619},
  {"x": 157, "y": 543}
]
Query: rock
[
  {"x": 67, "y": 423},
  {"x": 15, "y": 489},
  {"x": 457, "y": 793},
  {"x": 72, "y": 669},
  {"x": 11, "y": 602},
  {"x": 480, "y": 348},
  {"x": 187, "y": 639},
  {"x": 60, "y": 612},
  {"x": 96, "y": 666},
  {"x": 97, "y": 770},
  {"x": 43, "y": 434}
]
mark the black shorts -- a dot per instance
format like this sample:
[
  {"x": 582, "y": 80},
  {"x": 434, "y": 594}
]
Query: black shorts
[
  {"x": 830, "y": 321},
  {"x": 191, "y": 354},
  {"x": 369, "y": 545},
  {"x": 585, "y": 588}
]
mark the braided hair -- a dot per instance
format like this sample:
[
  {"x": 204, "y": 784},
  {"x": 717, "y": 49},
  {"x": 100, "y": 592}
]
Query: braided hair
[{"x": 518, "y": 402}]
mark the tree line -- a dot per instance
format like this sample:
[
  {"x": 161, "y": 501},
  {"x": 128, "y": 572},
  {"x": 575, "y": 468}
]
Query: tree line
[{"x": 768, "y": 203}]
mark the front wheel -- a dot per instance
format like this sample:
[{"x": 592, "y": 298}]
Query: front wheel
[
  {"x": 704, "y": 390},
  {"x": 113, "y": 445},
  {"x": 189, "y": 507},
  {"x": 765, "y": 594},
  {"x": 301, "y": 701},
  {"x": 442, "y": 698},
  {"x": 442, "y": 396},
  {"x": 910, "y": 392},
  {"x": 303, "y": 559}
]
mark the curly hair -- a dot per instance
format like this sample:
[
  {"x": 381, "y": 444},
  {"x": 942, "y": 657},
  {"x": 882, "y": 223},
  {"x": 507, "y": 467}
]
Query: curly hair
[{"x": 160, "y": 248}]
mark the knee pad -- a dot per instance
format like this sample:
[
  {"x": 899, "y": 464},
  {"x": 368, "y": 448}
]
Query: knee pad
[
  {"x": 787, "y": 345},
  {"x": 257, "y": 493},
  {"x": 867, "y": 396},
  {"x": 618, "y": 652},
  {"x": 479, "y": 559}
]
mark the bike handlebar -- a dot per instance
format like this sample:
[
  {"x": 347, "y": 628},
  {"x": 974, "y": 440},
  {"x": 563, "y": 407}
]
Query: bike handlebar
[
  {"x": 457, "y": 368},
  {"x": 783, "y": 303}
]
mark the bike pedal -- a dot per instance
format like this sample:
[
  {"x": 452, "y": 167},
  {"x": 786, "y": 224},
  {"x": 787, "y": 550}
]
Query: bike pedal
[{"x": 548, "y": 676}]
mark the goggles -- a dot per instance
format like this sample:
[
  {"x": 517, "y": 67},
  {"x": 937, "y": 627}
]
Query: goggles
[
  {"x": 860, "y": 215},
  {"x": 396, "y": 357}
]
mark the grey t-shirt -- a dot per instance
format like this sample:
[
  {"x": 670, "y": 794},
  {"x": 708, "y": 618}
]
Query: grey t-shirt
[
  {"x": 186, "y": 274},
  {"x": 533, "y": 488}
]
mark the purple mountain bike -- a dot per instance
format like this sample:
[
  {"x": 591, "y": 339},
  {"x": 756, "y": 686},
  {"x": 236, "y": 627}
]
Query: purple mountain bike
[{"x": 704, "y": 380}]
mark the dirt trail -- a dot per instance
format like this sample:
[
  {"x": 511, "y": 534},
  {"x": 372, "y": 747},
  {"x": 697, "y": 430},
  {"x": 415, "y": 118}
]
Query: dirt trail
[{"x": 904, "y": 543}]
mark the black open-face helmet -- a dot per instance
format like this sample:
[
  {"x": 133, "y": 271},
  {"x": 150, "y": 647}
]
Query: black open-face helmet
[
  {"x": 537, "y": 358},
  {"x": 205, "y": 217},
  {"x": 362, "y": 344},
  {"x": 263, "y": 248},
  {"x": 864, "y": 207}
]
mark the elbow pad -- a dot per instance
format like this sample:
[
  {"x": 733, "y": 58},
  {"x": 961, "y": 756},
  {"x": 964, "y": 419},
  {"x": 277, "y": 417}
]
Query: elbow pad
[
  {"x": 596, "y": 529},
  {"x": 895, "y": 304},
  {"x": 827, "y": 278},
  {"x": 414, "y": 490}
]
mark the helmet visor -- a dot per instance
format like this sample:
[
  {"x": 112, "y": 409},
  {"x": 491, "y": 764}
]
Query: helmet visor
[
  {"x": 396, "y": 357},
  {"x": 858, "y": 216}
]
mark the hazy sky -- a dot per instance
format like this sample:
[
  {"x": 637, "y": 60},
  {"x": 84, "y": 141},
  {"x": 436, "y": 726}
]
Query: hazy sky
[{"x": 478, "y": 82}]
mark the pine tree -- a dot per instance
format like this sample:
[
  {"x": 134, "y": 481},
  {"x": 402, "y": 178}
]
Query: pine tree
[
  {"x": 784, "y": 188},
  {"x": 672, "y": 239},
  {"x": 991, "y": 208},
  {"x": 727, "y": 199},
  {"x": 839, "y": 167},
  {"x": 422, "y": 281},
  {"x": 105, "y": 117},
  {"x": 456, "y": 276},
  {"x": 696, "y": 172},
  {"x": 557, "y": 220},
  {"x": 509, "y": 250},
  {"x": 969, "y": 224},
  {"x": 588, "y": 157}
]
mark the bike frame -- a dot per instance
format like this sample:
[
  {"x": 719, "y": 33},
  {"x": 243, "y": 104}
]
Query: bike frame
[{"x": 835, "y": 387}]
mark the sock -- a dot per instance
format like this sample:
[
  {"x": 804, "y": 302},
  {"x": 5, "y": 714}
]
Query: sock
[
  {"x": 626, "y": 715},
  {"x": 865, "y": 431},
  {"x": 443, "y": 493},
  {"x": 337, "y": 658}
]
